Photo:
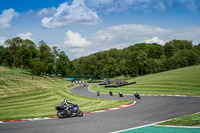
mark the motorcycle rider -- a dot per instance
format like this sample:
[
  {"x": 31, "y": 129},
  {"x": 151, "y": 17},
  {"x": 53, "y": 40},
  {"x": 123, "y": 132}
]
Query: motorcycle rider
[
  {"x": 98, "y": 93},
  {"x": 120, "y": 94},
  {"x": 110, "y": 92},
  {"x": 136, "y": 94},
  {"x": 65, "y": 103}
]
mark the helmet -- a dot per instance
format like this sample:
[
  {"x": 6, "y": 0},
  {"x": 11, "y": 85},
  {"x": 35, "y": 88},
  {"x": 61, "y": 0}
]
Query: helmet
[{"x": 134, "y": 92}]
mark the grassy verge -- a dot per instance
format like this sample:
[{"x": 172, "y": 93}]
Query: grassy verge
[
  {"x": 24, "y": 97},
  {"x": 184, "y": 81},
  {"x": 188, "y": 120}
]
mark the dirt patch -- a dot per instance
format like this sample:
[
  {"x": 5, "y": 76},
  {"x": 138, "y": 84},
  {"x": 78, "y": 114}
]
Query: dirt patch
[{"x": 3, "y": 69}]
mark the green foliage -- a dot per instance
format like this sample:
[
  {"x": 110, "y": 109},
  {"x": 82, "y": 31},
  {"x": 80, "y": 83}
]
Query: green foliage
[
  {"x": 138, "y": 59},
  {"x": 25, "y": 54},
  {"x": 38, "y": 67}
]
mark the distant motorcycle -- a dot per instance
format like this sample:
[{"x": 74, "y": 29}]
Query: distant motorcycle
[
  {"x": 98, "y": 93},
  {"x": 136, "y": 95},
  {"x": 64, "y": 111},
  {"x": 120, "y": 94},
  {"x": 110, "y": 92}
]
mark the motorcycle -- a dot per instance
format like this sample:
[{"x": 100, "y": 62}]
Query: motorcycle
[
  {"x": 137, "y": 96},
  {"x": 98, "y": 93},
  {"x": 68, "y": 110},
  {"x": 110, "y": 92},
  {"x": 120, "y": 94}
]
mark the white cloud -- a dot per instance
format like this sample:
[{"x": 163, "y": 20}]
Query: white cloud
[
  {"x": 47, "y": 11},
  {"x": 155, "y": 40},
  {"x": 119, "y": 36},
  {"x": 160, "y": 6},
  {"x": 6, "y": 17},
  {"x": 76, "y": 13},
  {"x": 77, "y": 50},
  {"x": 2, "y": 40},
  {"x": 75, "y": 40},
  {"x": 192, "y": 5},
  {"x": 121, "y": 5},
  {"x": 189, "y": 33},
  {"x": 122, "y": 36},
  {"x": 25, "y": 36}
]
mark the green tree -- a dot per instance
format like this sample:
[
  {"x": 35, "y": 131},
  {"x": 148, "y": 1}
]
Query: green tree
[
  {"x": 37, "y": 67},
  {"x": 173, "y": 46},
  {"x": 142, "y": 62},
  {"x": 47, "y": 57},
  {"x": 63, "y": 63},
  {"x": 14, "y": 45}
]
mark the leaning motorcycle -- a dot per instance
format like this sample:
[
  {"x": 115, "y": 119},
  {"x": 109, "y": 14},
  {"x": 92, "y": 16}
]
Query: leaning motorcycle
[
  {"x": 68, "y": 110},
  {"x": 137, "y": 96}
]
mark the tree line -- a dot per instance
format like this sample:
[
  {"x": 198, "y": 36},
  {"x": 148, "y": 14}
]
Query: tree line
[
  {"x": 41, "y": 59},
  {"x": 138, "y": 59}
]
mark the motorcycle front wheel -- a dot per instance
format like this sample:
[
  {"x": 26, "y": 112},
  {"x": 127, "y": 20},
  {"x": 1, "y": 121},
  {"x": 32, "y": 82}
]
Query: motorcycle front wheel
[
  {"x": 80, "y": 113},
  {"x": 62, "y": 114}
]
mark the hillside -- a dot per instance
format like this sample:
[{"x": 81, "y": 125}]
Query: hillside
[
  {"x": 184, "y": 81},
  {"x": 24, "y": 96}
]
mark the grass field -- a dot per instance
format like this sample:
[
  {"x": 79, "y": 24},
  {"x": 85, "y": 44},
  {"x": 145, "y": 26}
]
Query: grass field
[
  {"x": 24, "y": 97},
  {"x": 188, "y": 120},
  {"x": 184, "y": 81}
]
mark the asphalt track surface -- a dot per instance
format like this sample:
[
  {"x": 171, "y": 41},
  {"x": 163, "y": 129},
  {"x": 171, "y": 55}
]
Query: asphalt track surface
[{"x": 147, "y": 110}]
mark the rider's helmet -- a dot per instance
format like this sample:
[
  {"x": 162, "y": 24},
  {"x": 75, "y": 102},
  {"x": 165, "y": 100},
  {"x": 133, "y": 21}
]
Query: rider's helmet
[{"x": 135, "y": 92}]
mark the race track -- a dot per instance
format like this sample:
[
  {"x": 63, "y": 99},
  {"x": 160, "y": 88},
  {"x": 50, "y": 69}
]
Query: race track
[{"x": 149, "y": 109}]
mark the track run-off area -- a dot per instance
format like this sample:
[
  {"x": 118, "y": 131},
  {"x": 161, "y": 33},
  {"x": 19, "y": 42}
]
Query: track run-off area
[{"x": 146, "y": 111}]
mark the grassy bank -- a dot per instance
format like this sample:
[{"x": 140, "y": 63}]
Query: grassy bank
[
  {"x": 188, "y": 120},
  {"x": 184, "y": 81},
  {"x": 24, "y": 96}
]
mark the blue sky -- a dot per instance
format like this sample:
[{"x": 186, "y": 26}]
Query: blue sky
[{"x": 82, "y": 27}]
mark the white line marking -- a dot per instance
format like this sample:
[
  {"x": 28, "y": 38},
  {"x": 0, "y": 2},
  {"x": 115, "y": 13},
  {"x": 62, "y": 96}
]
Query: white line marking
[
  {"x": 99, "y": 111},
  {"x": 146, "y": 125},
  {"x": 139, "y": 127}
]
